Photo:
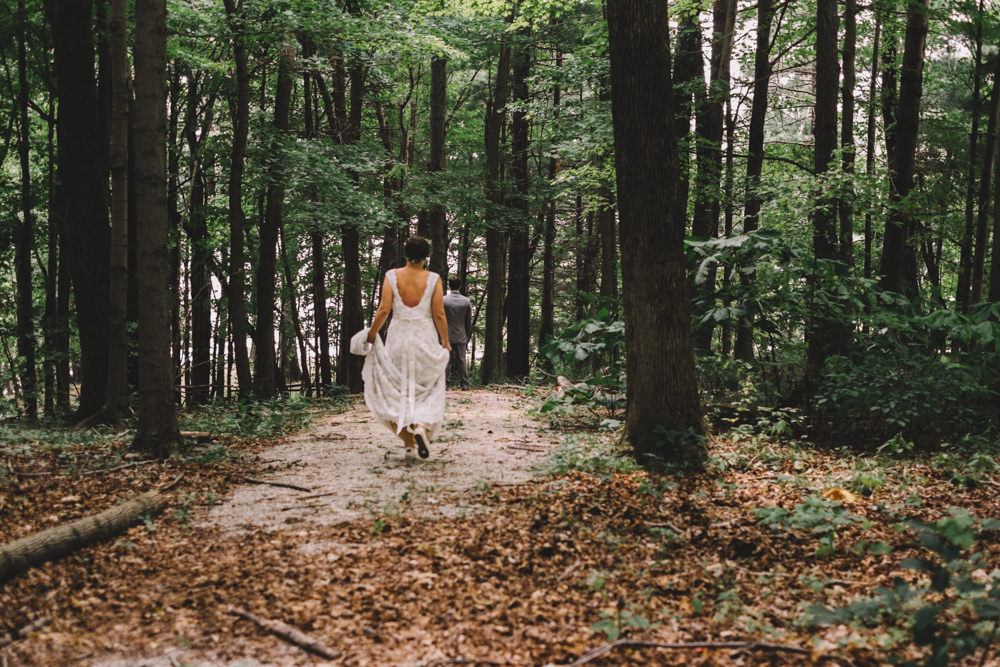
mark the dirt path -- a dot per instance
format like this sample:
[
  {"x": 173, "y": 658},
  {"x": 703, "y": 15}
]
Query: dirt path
[{"x": 355, "y": 468}]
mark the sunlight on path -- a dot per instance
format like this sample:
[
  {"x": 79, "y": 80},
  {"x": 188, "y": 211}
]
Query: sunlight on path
[{"x": 355, "y": 468}]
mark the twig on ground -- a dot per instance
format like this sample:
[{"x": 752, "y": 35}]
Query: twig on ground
[
  {"x": 285, "y": 485},
  {"x": 23, "y": 632},
  {"x": 599, "y": 651},
  {"x": 288, "y": 633},
  {"x": 131, "y": 464},
  {"x": 318, "y": 495}
]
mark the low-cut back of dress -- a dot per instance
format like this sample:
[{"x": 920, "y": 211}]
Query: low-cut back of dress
[{"x": 404, "y": 377}]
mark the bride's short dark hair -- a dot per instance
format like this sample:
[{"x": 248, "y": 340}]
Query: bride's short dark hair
[{"x": 417, "y": 248}]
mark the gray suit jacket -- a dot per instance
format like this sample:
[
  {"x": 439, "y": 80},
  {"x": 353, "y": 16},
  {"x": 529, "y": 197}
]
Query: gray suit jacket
[{"x": 458, "y": 310}]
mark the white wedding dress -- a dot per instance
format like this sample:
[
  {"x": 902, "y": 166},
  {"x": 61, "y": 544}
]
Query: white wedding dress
[{"x": 404, "y": 377}]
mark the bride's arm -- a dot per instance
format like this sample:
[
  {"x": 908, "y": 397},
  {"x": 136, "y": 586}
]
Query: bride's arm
[
  {"x": 437, "y": 310},
  {"x": 384, "y": 307}
]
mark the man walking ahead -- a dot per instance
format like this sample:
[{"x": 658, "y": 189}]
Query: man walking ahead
[{"x": 458, "y": 310}]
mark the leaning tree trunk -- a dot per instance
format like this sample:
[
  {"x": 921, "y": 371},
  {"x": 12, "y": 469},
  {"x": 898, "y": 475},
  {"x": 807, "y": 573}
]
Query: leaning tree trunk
[
  {"x": 157, "y": 431},
  {"x": 743, "y": 347},
  {"x": 899, "y": 260},
  {"x": 664, "y": 417},
  {"x": 25, "y": 237},
  {"x": 82, "y": 176},
  {"x": 265, "y": 380}
]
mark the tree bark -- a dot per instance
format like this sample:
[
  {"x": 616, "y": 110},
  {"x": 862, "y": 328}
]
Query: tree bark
[
  {"x": 519, "y": 263},
  {"x": 743, "y": 347},
  {"x": 899, "y": 260},
  {"x": 82, "y": 175},
  {"x": 237, "y": 260},
  {"x": 985, "y": 192},
  {"x": 265, "y": 381},
  {"x": 870, "y": 144},
  {"x": 687, "y": 76},
  {"x": 547, "y": 328},
  {"x": 157, "y": 431},
  {"x": 963, "y": 290},
  {"x": 664, "y": 417},
  {"x": 825, "y": 335},
  {"x": 27, "y": 373},
  {"x": 707, "y": 207},
  {"x": 436, "y": 214},
  {"x": 846, "y": 203},
  {"x": 50, "y": 544},
  {"x": 496, "y": 111}
]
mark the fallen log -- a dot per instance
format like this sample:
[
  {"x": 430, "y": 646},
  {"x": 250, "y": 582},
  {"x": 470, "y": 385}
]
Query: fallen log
[
  {"x": 58, "y": 541},
  {"x": 288, "y": 633}
]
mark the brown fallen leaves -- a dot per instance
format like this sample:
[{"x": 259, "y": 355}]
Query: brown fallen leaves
[{"x": 541, "y": 574}]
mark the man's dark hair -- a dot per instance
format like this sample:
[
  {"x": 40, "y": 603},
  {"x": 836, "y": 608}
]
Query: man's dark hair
[
  {"x": 454, "y": 283},
  {"x": 417, "y": 248}
]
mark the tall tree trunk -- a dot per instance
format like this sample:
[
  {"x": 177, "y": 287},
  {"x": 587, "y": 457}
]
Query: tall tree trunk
[
  {"x": 116, "y": 404},
  {"x": 709, "y": 124},
  {"x": 237, "y": 219},
  {"x": 293, "y": 310},
  {"x": 352, "y": 312},
  {"x": 985, "y": 192},
  {"x": 994, "y": 290},
  {"x": 825, "y": 335},
  {"x": 84, "y": 187},
  {"x": 265, "y": 380},
  {"x": 27, "y": 372},
  {"x": 519, "y": 264},
  {"x": 687, "y": 77},
  {"x": 963, "y": 291},
  {"x": 899, "y": 260},
  {"x": 435, "y": 165},
  {"x": 157, "y": 431},
  {"x": 743, "y": 347},
  {"x": 50, "y": 321},
  {"x": 547, "y": 328},
  {"x": 201, "y": 254},
  {"x": 662, "y": 394},
  {"x": 870, "y": 145},
  {"x": 846, "y": 203},
  {"x": 496, "y": 111}
]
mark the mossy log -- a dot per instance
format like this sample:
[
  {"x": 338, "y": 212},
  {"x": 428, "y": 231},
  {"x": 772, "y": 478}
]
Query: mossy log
[{"x": 58, "y": 541}]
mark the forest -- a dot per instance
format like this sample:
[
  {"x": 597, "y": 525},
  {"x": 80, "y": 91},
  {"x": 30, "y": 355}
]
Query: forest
[{"x": 690, "y": 231}]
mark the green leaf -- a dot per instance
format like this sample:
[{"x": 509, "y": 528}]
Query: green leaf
[{"x": 923, "y": 624}]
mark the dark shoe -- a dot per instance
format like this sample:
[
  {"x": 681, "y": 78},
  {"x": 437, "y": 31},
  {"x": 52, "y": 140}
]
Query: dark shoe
[{"x": 420, "y": 436}]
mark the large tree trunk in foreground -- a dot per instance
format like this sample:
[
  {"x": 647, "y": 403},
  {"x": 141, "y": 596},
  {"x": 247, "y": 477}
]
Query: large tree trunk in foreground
[
  {"x": 664, "y": 417},
  {"x": 50, "y": 544},
  {"x": 157, "y": 431},
  {"x": 82, "y": 175}
]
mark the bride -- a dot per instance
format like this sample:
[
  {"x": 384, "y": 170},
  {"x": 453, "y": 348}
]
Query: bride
[{"x": 405, "y": 376}]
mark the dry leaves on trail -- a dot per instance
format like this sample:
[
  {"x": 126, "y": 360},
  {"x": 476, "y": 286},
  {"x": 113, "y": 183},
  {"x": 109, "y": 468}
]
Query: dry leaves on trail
[{"x": 546, "y": 571}]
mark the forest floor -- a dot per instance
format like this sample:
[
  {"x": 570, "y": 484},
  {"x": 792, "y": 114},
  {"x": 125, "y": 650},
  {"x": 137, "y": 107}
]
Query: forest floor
[{"x": 515, "y": 543}]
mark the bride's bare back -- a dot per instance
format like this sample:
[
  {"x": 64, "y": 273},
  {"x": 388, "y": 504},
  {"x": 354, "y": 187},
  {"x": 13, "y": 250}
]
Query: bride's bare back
[{"x": 411, "y": 284}]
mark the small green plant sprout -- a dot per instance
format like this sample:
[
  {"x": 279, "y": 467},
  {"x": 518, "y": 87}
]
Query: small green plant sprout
[
  {"x": 953, "y": 610},
  {"x": 820, "y": 517},
  {"x": 613, "y": 623}
]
